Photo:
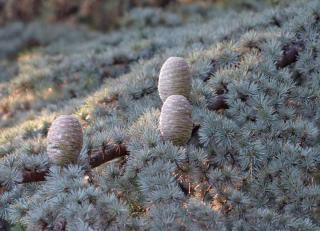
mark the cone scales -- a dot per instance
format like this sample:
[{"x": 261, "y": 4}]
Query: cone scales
[
  {"x": 174, "y": 78},
  {"x": 64, "y": 141},
  {"x": 175, "y": 120}
]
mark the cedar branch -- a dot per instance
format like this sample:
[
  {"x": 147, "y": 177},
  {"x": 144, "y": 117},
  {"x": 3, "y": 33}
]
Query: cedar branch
[
  {"x": 290, "y": 55},
  {"x": 96, "y": 157},
  {"x": 110, "y": 152}
]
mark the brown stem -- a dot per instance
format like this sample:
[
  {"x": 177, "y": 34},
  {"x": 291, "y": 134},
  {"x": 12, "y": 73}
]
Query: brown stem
[
  {"x": 32, "y": 176},
  {"x": 96, "y": 157},
  {"x": 106, "y": 153}
]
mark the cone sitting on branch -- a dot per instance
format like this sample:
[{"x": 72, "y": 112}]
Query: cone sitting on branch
[{"x": 64, "y": 141}]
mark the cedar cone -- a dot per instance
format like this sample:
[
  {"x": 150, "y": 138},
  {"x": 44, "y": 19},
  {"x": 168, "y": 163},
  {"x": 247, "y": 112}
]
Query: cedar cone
[
  {"x": 64, "y": 141},
  {"x": 175, "y": 120},
  {"x": 174, "y": 78}
]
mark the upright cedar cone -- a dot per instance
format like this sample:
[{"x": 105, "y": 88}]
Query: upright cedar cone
[
  {"x": 174, "y": 78},
  {"x": 64, "y": 141},
  {"x": 175, "y": 120}
]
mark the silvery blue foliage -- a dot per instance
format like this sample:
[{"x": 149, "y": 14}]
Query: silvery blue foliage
[{"x": 251, "y": 166}]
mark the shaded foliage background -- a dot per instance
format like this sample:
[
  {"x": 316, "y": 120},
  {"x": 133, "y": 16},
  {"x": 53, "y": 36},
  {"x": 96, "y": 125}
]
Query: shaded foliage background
[{"x": 99, "y": 14}]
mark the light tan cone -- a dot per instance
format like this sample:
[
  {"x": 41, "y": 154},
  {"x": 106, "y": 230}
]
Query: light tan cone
[
  {"x": 175, "y": 120},
  {"x": 64, "y": 141},
  {"x": 174, "y": 78}
]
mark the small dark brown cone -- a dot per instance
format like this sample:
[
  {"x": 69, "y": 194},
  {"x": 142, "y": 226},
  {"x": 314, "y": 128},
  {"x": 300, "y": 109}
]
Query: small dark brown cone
[{"x": 64, "y": 141}]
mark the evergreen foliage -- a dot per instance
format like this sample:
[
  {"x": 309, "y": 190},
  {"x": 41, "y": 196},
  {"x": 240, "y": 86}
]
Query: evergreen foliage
[{"x": 253, "y": 165}]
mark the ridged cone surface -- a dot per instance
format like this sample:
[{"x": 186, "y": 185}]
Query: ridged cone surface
[
  {"x": 174, "y": 78},
  {"x": 64, "y": 141},
  {"x": 175, "y": 120}
]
